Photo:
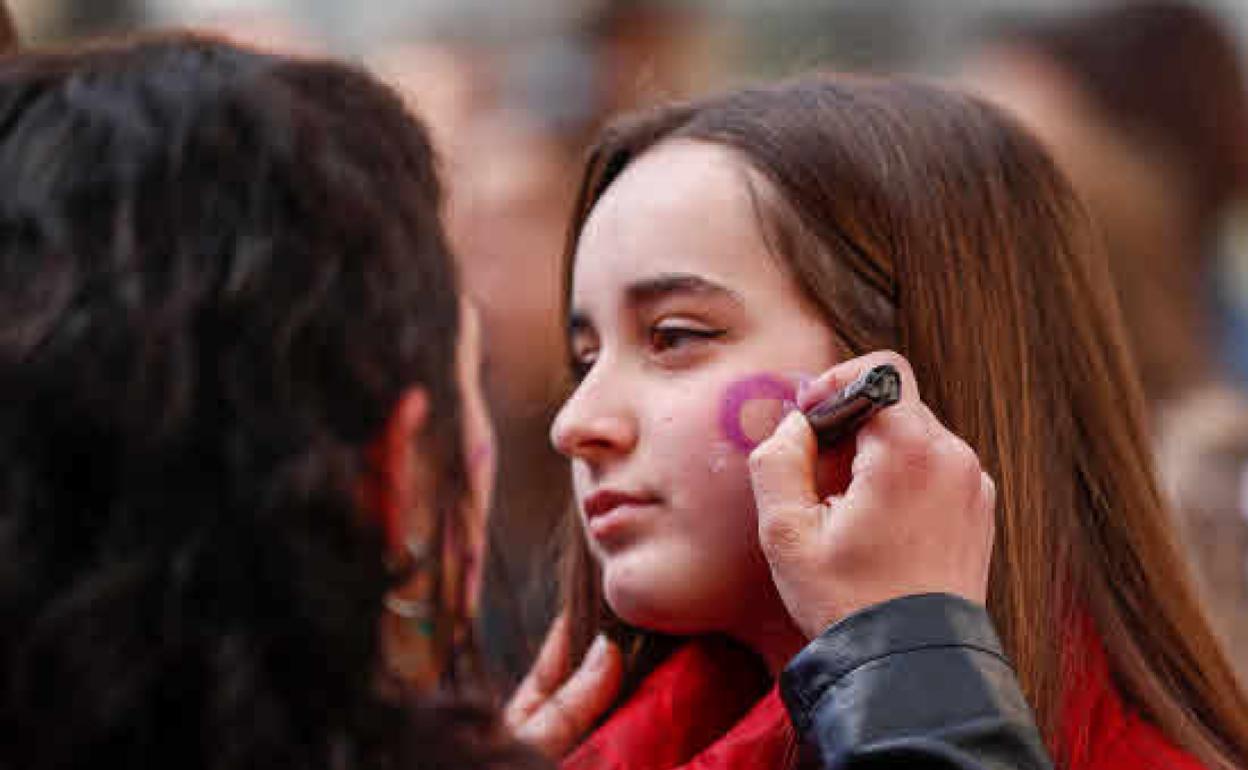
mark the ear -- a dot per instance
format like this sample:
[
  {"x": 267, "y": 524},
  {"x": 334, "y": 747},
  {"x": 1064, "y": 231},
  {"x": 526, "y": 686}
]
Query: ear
[{"x": 398, "y": 464}]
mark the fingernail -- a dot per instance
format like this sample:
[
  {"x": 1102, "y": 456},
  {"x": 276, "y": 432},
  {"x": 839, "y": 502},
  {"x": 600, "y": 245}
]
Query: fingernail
[{"x": 597, "y": 654}]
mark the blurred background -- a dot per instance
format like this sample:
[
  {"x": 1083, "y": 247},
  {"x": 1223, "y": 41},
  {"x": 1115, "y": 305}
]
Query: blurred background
[{"x": 1142, "y": 103}]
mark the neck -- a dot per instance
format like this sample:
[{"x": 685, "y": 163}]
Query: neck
[{"x": 775, "y": 638}]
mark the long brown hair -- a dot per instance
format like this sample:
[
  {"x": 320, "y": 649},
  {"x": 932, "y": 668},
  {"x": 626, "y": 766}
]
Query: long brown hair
[{"x": 923, "y": 220}]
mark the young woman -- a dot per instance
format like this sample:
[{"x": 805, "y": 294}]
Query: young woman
[
  {"x": 726, "y": 250},
  {"x": 243, "y": 453}
]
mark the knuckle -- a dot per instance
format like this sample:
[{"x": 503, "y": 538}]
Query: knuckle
[
  {"x": 988, "y": 486},
  {"x": 964, "y": 453},
  {"x": 759, "y": 461},
  {"x": 913, "y": 450},
  {"x": 768, "y": 454},
  {"x": 960, "y": 461},
  {"x": 907, "y": 426},
  {"x": 988, "y": 497},
  {"x": 778, "y": 533},
  {"x": 889, "y": 356},
  {"x": 960, "y": 466},
  {"x": 562, "y": 725},
  {"x": 915, "y": 460}
]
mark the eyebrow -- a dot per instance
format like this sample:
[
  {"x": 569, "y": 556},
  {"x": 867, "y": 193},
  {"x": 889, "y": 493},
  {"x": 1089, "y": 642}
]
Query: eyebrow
[{"x": 649, "y": 291}]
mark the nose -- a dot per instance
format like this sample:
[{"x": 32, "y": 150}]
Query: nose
[{"x": 594, "y": 424}]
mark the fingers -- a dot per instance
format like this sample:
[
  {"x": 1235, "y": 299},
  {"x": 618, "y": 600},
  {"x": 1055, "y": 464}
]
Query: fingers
[
  {"x": 561, "y": 720},
  {"x": 551, "y": 710},
  {"x": 904, "y": 449},
  {"x": 838, "y": 377},
  {"x": 782, "y": 473},
  {"x": 548, "y": 672},
  {"x": 782, "y": 467},
  {"x": 904, "y": 438}
]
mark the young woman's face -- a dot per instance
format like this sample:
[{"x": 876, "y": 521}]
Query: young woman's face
[{"x": 679, "y": 314}]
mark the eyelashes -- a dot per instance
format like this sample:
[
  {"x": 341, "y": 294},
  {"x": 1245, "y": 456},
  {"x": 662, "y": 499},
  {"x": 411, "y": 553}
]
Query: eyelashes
[
  {"x": 667, "y": 338},
  {"x": 579, "y": 367},
  {"x": 669, "y": 343}
]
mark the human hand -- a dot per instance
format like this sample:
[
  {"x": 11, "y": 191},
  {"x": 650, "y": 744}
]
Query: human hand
[
  {"x": 553, "y": 710},
  {"x": 917, "y": 515}
]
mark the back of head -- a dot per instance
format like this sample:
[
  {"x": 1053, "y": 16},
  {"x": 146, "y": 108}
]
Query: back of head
[
  {"x": 218, "y": 272},
  {"x": 924, "y": 221},
  {"x": 8, "y": 29},
  {"x": 1145, "y": 104},
  {"x": 1165, "y": 72}
]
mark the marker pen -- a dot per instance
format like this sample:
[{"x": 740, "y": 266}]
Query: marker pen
[{"x": 840, "y": 414}]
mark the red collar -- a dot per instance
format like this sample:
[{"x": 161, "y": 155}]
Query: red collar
[
  {"x": 708, "y": 706},
  {"x": 1100, "y": 731}
]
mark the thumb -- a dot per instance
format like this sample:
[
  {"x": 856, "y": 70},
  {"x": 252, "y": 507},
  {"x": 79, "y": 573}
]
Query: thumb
[
  {"x": 782, "y": 470},
  {"x": 544, "y": 678},
  {"x": 567, "y": 716}
]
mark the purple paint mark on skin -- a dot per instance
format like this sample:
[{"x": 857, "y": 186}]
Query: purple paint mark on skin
[{"x": 765, "y": 386}]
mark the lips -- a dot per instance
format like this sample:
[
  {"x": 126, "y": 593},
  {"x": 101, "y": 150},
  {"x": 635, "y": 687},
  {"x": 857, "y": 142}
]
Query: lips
[{"x": 604, "y": 502}]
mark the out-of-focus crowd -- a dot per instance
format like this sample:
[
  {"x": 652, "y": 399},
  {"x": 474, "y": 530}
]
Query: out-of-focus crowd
[{"x": 1146, "y": 111}]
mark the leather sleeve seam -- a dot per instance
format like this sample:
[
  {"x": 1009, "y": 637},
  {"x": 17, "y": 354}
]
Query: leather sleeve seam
[{"x": 810, "y": 701}]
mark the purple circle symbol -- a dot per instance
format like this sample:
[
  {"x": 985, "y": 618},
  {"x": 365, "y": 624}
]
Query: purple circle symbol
[{"x": 764, "y": 386}]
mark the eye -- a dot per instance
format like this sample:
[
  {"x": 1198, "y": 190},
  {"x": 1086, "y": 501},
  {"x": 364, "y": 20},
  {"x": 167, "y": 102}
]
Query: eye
[
  {"x": 581, "y": 357},
  {"x": 674, "y": 336}
]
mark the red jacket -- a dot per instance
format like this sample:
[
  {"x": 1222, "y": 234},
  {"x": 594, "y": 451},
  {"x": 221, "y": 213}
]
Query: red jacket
[
  {"x": 1100, "y": 731},
  {"x": 710, "y": 707}
]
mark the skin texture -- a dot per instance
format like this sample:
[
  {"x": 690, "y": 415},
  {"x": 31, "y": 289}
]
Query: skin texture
[{"x": 666, "y": 318}]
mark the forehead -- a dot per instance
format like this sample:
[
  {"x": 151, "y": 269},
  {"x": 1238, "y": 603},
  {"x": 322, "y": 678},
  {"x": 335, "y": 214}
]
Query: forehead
[{"x": 682, "y": 207}]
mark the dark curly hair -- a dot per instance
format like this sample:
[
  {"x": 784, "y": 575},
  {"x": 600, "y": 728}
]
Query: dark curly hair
[{"x": 219, "y": 270}]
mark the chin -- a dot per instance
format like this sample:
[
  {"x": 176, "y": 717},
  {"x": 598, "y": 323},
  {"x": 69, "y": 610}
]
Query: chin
[{"x": 652, "y": 605}]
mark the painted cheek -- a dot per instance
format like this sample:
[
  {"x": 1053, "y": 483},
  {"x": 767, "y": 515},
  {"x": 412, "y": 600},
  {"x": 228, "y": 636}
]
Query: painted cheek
[{"x": 751, "y": 407}]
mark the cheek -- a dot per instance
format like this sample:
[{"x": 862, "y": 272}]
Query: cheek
[
  {"x": 751, "y": 407},
  {"x": 702, "y": 562},
  {"x": 707, "y": 474},
  {"x": 688, "y": 435}
]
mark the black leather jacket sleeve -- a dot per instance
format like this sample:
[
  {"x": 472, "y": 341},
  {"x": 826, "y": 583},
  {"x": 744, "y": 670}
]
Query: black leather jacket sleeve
[{"x": 917, "y": 682}]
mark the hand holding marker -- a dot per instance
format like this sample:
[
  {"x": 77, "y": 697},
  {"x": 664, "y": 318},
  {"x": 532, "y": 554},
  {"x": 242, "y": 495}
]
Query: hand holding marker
[{"x": 916, "y": 517}]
